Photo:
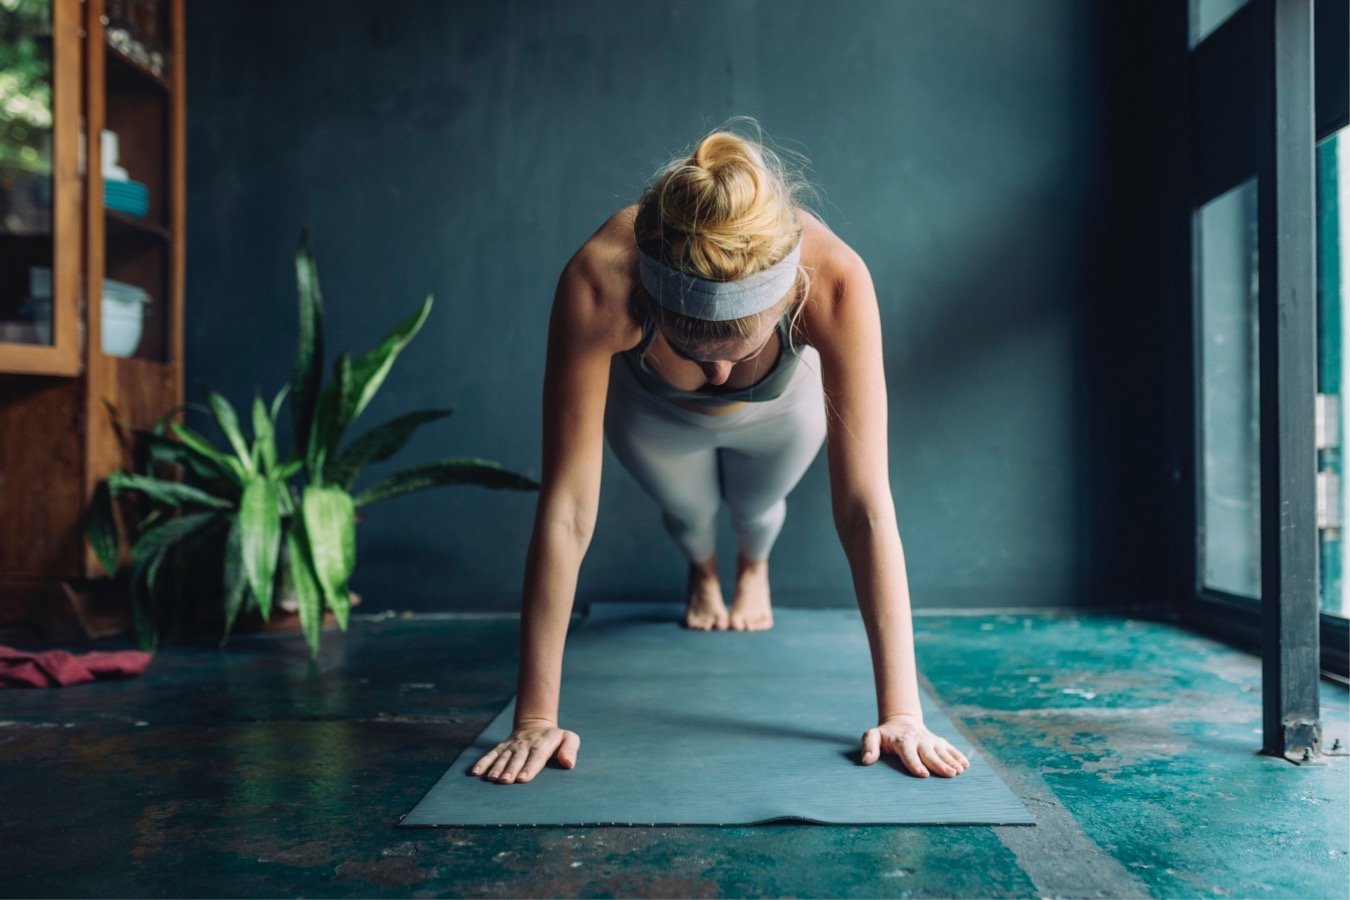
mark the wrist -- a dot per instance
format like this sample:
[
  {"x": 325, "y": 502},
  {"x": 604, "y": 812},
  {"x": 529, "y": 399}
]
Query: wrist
[{"x": 534, "y": 722}]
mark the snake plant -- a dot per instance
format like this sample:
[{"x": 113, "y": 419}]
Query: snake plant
[{"x": 240, "y": 503}]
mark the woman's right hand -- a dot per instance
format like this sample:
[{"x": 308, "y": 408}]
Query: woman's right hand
[{"x": 526, "y": 751}]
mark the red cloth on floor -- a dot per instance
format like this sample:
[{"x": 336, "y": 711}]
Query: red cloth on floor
[{"x": 58, "y": 668}]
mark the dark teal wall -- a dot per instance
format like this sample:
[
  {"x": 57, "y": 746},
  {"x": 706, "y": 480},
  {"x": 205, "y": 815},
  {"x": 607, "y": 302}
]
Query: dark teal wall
[{"x": 467, "y": 149}]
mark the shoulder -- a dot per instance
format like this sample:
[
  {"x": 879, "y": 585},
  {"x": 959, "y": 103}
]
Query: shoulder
[
  {"x": 831, "y": 260},
  {"x": 840, "y": 280},
  {"x": 595, "y": 288}
]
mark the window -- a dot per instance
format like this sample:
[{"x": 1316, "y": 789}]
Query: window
[
  {"x": 1225, "y": 267},
  {"x": 1333, "y": 323},
  {"x": 1207, "y": 15},
  {"x": 1261, "y": 438}
]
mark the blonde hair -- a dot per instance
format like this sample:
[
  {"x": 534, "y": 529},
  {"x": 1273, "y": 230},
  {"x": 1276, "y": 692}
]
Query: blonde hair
[{"x": 725, "y": 210}]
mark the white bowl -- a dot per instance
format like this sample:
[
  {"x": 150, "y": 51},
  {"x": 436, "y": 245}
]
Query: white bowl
[{"x": 122, "y": 326}]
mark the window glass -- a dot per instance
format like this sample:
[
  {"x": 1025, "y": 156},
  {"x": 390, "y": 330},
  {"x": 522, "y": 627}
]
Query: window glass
[
  {"x": 1225, "y": 272},
  {"x": 26, "y": 244},
  {"x": 1207, "y": 15},
  {"x": 1333, "y": 248}
]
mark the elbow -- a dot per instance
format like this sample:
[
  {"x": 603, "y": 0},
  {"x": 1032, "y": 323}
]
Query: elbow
[
  {"x": 863, "y": 520},
  {"x": 577, "y": 529},
  {"x": 582, "y": 529},
  {"x": 575, "y": 526},
  {"x": 565, "y": 515}
]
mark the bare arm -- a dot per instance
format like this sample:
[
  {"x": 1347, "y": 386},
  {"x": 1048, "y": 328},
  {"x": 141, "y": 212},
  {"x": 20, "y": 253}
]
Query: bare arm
[
  {"x": 849, "y": 329},
  {"x": 584, "y": 333},
  {"x": 576, "y": 377}
]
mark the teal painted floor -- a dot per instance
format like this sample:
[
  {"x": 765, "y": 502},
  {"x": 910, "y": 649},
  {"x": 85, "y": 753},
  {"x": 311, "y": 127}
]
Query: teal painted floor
[{"x": 250, "y": 771}]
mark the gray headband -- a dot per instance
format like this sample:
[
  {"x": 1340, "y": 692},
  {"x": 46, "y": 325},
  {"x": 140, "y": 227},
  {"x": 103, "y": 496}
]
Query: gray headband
[{"x": 719, "y": 300}]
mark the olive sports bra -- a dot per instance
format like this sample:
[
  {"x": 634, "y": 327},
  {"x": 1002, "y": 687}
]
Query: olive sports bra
[{"x": 767, "y": 388}]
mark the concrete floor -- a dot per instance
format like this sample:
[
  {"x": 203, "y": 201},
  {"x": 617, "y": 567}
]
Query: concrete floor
[{"x": 252, "y": 772}]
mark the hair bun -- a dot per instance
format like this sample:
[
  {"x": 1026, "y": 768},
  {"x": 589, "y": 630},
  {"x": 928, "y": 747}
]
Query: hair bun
[{"x": 725, "y": 211}]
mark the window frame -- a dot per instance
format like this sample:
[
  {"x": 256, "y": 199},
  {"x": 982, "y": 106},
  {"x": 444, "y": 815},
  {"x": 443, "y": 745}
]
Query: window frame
[{"x": 1236, "y": 74}]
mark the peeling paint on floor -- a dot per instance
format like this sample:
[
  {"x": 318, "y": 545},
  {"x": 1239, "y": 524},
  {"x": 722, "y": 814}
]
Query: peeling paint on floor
[{"x": 251, "y": 770}]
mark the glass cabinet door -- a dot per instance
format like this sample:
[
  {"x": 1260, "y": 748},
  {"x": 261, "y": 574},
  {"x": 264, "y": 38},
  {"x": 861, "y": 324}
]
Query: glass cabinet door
[
  {"x": 39, "y": 202},
  {"x": 134, "y": 173}
]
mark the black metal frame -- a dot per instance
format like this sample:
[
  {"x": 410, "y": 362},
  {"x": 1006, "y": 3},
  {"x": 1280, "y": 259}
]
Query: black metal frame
[
  {"x": 1291, "y": 712},
  {"x": 1251, "y": 109}
]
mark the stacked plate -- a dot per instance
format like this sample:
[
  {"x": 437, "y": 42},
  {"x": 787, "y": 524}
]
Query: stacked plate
[{"x": 130, "y": 197}]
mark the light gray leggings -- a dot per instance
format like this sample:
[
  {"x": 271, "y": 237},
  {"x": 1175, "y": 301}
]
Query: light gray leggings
[{"x": 689, "y": 461}]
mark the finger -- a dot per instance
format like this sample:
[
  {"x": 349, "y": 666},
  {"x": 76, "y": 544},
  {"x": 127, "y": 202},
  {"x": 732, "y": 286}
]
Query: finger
[
  {"x": 482, "y": 764},
  {"x": 937, "y": 752},
  {"x": 909, "y": 753},
  {"x": 930, "y": 755},
  {"x": 538, "y": 759},
  {"x": 957, "y": 758},
  {"x": 567, "y": 751},
  {"x": 871, "y": 746},
  {"x": 949, "y": 756},
  {"x": 517, "y": 763},
  {"x": 496, "y": 771}
]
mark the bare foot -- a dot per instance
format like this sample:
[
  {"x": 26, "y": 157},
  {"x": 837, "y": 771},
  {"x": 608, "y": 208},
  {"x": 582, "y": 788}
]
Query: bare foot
[
  {"x": 707, "y": 611},
  {"x": 751, "y": 610}
]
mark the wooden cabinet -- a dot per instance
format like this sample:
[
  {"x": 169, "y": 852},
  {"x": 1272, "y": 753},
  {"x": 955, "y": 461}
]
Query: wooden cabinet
[{"x": 91, "y": 284}]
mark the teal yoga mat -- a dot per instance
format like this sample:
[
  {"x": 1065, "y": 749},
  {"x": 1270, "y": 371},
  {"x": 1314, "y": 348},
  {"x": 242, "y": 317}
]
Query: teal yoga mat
[{"x": 682, "y": 727}]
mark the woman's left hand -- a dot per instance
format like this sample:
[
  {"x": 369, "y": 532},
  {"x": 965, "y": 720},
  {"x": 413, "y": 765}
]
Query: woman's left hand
[{"x": 918, "y": 748}]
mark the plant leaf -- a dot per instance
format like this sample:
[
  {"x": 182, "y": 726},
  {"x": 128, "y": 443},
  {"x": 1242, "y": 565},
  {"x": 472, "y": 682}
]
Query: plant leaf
[
  {"x": 276, "y": 402},
  {"x": 330, "y": 527},
  {"x": 163, "y": 491},
  {"x": 307, "y": 591},
  {"x": 228, "y": 464},
  {"x": 307, "y": 371},
  {"x": 378, "y": 444},
  {"x": 155, "y": 430},
  {"x": 328, "y": 425},
  {"x": 264, "y": 437},
  {"x": 234, "y": 581},
  {"x": 370, "y": 369},
  {"x": 153, "y": 542},
  {"x": 143, "y": 609},
  {"x": 164, "y": 450},
  {"x": 162, "y": 423},
  {"x": 148, "y": 554},
  {"x": 229, "y": 424},
  {"x": 466, "y": 470},
  {"x": 260, "y": 524},
  {"x": 101, "y": 528}
]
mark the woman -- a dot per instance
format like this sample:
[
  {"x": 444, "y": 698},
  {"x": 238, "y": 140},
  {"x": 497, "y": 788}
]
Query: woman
[{"x": 746, "y": 333}]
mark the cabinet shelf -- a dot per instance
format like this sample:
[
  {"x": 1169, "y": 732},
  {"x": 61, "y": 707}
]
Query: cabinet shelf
[
  {"x": 126, "y": 71},
  {"x": 35, "y": 231},
  {"x": 122, "y": 224}
]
